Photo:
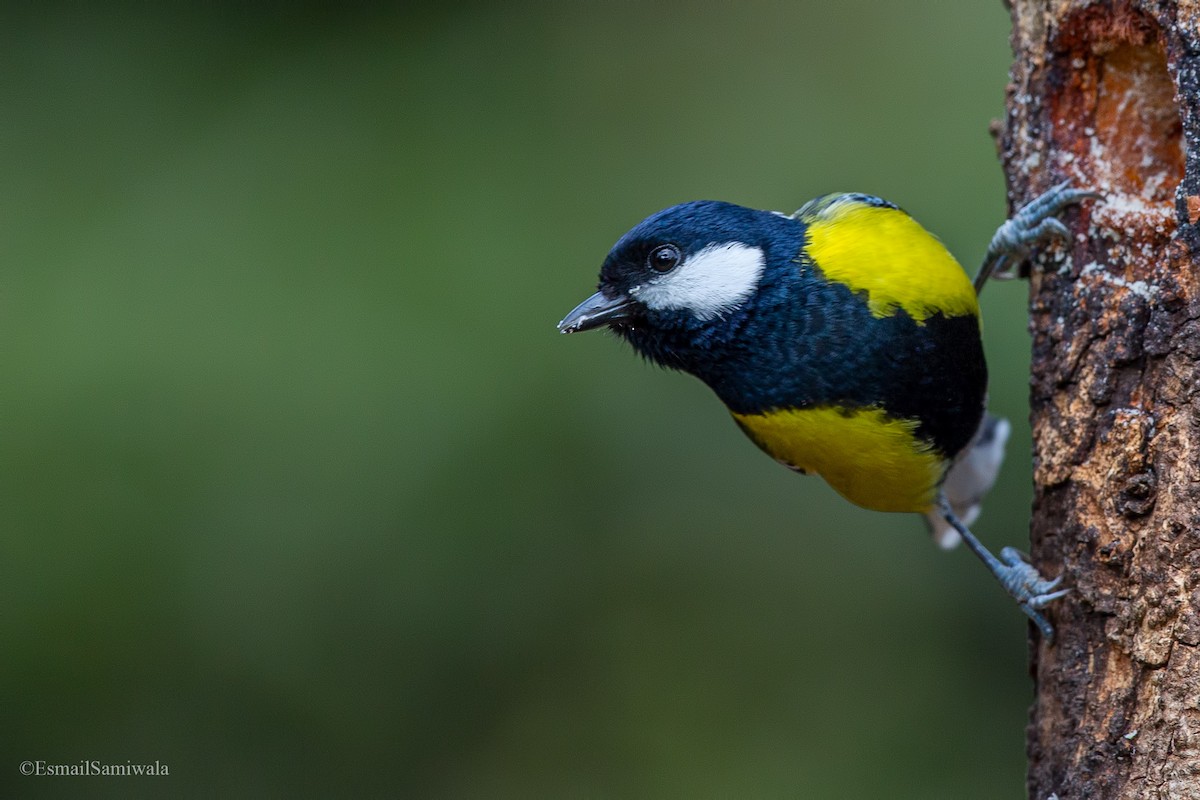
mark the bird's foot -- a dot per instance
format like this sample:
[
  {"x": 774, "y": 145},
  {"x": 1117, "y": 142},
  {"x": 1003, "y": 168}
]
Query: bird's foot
[
  {"x": 1027, "y": 586},
  {"x": 1035, "y": 223},
  {"x": 1012, "y": 569}
]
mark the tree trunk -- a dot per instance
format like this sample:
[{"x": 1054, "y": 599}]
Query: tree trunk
[{"x": 1107, "y": 94}]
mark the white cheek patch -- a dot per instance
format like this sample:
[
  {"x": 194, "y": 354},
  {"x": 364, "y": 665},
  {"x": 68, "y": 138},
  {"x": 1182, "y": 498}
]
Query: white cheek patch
[{"x": 708, "y": 283}]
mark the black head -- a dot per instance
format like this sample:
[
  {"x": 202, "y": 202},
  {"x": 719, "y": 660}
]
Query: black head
[{"x": 685, "y": 268}]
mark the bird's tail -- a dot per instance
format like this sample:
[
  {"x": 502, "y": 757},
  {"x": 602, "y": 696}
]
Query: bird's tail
[{"x": 970, "y": 479}]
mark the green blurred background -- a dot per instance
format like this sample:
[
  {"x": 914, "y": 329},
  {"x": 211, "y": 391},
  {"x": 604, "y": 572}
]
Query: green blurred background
[{"x": 303, "y": 495}]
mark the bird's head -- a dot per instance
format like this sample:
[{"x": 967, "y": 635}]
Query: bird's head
[{"x": 680, "y": 276}]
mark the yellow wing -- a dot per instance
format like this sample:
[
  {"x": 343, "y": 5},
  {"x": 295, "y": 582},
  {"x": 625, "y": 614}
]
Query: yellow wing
[{"x": 872, "y": 246}]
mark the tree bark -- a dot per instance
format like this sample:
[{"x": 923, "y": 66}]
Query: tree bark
[{"x": 1107, "y": 95}]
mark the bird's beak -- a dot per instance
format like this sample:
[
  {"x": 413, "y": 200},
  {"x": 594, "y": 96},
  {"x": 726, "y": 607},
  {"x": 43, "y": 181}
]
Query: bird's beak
[{"x": 597, "y": 310}]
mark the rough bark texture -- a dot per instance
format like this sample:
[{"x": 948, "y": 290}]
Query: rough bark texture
[{"x": 1107, "y": 94}]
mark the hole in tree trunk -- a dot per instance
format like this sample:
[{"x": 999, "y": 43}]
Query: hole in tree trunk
[
  {"x": 1137, "y": 148},
  {"x": 1116, "y": 124}
]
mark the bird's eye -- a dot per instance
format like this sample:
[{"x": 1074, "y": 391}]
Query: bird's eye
[{"x": 664, "y": 258}]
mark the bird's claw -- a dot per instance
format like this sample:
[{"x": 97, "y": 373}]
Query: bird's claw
[
  {"x": 1031, "y": 591},
  {"x": 1054, "y": 200},
  {"x": 1042, "y": 623},
  {"x": 1036, "y": 223},
  {"x": 1033, "y": 224}
]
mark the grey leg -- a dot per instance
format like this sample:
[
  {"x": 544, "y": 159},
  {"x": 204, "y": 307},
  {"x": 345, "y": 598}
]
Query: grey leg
[{"x": 1018, "y": 577}]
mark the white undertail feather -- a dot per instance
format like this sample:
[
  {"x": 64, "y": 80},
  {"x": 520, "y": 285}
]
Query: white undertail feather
[
  {"x": 709, "y": 283},
  {"x": 970, "y": 479}
]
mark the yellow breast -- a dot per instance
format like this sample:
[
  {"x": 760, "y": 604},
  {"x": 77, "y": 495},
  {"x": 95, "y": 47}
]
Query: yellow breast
[{"x": 871, "y": 459}]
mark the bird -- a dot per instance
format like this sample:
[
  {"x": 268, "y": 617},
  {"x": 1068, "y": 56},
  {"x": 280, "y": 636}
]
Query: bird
[{"x": 844, "y": 340}]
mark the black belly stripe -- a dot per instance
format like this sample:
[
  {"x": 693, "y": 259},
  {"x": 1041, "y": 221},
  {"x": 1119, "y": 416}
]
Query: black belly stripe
[{"x": 844, "y": 357}]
